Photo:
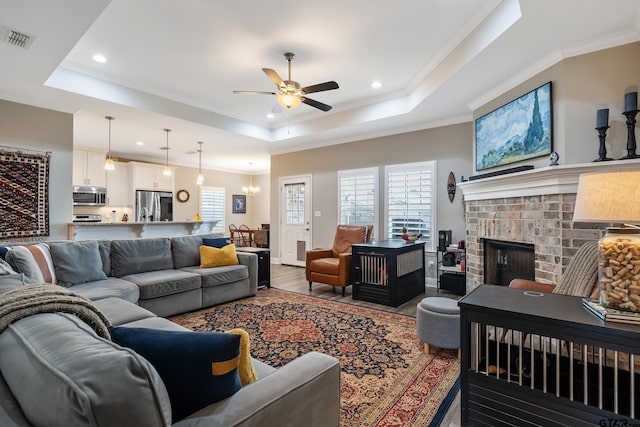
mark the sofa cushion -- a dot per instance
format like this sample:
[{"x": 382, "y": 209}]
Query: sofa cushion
[
  {"x": 119, "y": 311},
  {"x": 86, "y": 381},
  {"x": 132, "y": 256},
  {"x": 155, "y": 284},
  {"x": 34, "y": 261},
  {"x": 198, "y": 368},
  {"x": 186, "y": 249},
  {"x": 216, "y": 276},
  {"x": 77, "y": 262},
  {"x": 105, "y": 254},
  {"x": 214, "y": 257},
  {"x": 109, "y": 287}
]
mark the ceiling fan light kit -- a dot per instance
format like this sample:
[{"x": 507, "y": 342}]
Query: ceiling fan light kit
[{"x": 290, "y": 94}]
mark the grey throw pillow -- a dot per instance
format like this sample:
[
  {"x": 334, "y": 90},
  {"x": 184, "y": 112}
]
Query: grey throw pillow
[
  {"x": 10, "y": 281},
  {"x": 5, "y": 268},
  {"x": 77, "y": 262}
]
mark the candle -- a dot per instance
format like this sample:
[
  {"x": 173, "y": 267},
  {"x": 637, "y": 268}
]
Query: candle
[
  {"x": 602, "y": 118},
  {"x": 631, "y": 101}
]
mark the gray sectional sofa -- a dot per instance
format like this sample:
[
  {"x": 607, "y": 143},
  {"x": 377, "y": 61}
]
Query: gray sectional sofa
[
  {"x": 162, "y": 275},
  {"x": 57, "y": 370}
]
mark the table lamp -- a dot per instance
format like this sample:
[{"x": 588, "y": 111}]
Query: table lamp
[{"x": 614, "y": 197}]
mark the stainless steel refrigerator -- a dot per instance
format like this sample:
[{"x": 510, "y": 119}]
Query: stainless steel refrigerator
[{"x": 154, "y": 206}]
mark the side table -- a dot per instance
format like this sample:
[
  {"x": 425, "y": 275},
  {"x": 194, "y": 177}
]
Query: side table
[{"x": 264, "y": 263}]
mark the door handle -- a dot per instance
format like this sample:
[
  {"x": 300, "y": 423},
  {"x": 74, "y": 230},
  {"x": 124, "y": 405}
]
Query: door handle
[{"x": 306, "y": 229}]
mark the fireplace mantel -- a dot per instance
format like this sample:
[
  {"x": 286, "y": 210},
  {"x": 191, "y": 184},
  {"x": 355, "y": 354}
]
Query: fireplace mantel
[{"x": 562, "y": 179}]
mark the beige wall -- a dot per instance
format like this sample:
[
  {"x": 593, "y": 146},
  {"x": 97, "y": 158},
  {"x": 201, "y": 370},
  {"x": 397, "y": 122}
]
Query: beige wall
[
  {"x": 448, "y": 145},
  {"x": 36, "y": 128},
  {"x": 257, "y": 206},
  {"x": 580, "y": 86}
]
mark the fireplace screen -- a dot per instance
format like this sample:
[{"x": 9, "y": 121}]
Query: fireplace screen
[{"x": 505, "y": 261}]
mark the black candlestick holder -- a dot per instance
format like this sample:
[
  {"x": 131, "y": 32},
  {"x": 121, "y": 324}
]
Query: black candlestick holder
[
  {"x": 631, "y": 135},
  {"x": 602, "y": 136}
]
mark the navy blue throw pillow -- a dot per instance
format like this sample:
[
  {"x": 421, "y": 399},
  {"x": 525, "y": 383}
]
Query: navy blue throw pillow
[
  {"x": 197, "y": 368},
  {"x": 218, "y": 242},
  {"x": 3, "y": 251}
]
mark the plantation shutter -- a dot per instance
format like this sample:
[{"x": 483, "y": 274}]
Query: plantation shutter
[
  {"x": 357, "y": 190},
  {"x": 411, "y": 200},
  {"x": 212, "y": 206}
]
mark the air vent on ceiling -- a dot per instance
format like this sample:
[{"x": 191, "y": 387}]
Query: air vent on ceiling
[{"x": 16, "y": 38}]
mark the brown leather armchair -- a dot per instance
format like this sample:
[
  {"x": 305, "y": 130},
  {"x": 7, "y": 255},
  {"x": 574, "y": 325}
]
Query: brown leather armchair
[{"x": 333, "y": 266}]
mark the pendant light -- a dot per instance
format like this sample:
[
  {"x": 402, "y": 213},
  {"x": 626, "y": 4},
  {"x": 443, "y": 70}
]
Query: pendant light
[
  {"x": 200, "y": 179},
  {"x": 167, "y": 169},
  {"x": 108, "y": 163}
]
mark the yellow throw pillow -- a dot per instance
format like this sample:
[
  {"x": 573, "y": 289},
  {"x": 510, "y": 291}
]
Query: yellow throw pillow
[
  {"x": 245, "y": 370},
  {"x": 214, "y": 257}
]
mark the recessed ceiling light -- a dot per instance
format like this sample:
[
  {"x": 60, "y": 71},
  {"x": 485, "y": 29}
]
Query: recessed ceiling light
[
  {"x": 139, "y": 143},
  {"x": 270, "y": 116},
  {"x": 99, "y": 58},
  {"x": 376, "y": 84}
]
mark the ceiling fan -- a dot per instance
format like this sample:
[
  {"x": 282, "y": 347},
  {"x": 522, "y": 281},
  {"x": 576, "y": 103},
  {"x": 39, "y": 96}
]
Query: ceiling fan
[{"x": 290, "y": 94}]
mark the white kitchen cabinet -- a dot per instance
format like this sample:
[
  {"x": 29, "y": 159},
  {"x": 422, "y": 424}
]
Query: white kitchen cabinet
[
  {"x": 88, "y": 168},
  {"x": 119, "y": 185},
  {"x": 151, "y": 177}
]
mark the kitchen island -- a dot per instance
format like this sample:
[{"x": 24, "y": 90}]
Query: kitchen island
[{"x": 134, "y": 229}]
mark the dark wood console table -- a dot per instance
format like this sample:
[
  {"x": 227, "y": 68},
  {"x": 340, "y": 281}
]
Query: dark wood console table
[
  {"x": 388, "y": 272},
  {"x": 542, "y": 359}
]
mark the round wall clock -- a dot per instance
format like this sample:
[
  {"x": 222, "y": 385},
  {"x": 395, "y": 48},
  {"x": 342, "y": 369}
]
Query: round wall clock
[{"x": 182, "y": 196}]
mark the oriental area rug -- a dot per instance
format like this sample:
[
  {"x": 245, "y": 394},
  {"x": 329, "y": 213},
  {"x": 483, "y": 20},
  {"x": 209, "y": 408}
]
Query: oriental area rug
[{"x": 386, "y": 379}]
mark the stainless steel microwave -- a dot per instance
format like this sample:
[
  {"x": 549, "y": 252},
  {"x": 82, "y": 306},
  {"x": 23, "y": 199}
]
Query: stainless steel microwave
[{"x": 89, "y": 196}]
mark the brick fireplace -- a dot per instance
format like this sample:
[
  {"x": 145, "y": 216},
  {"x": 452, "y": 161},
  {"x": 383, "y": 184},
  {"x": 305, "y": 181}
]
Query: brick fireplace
[{"x": 532, "y": 207}]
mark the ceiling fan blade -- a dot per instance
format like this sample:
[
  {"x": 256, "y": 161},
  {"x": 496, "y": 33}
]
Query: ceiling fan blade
[
  {"x": 320, "y": 87},
  {"x": 316, "y": 104},
  {"x": 253, "y": 92},
  {"x": 273, "y": 76}
]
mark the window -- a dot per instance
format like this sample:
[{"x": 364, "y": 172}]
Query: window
[
  {"x": 212, "y": 206},
  {"x": 294, "y": 194},
  {"x": 410, "y": 200},
  {"x": 357, "y": 190}
]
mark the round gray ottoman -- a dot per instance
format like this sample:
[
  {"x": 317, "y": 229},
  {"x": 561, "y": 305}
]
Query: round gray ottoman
[{"x": 438, "y": 322}]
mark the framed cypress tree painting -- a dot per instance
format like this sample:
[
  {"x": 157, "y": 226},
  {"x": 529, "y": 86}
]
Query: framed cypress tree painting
[{"x": 517, "y": 131}]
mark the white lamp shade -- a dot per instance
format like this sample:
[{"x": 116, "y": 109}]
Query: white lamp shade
[
  {"x": 108, "y": 164},
  {"x": 610, "y": 197}
]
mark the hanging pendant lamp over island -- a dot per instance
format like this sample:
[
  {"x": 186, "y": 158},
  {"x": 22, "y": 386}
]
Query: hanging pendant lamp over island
[
  {"x": 108, "y": 163},
  {"x": 167, "y": 169},
  {"x": 200, "y": 179}
]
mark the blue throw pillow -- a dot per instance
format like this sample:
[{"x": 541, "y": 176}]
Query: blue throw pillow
[
  {"x": 197, "y": 368},
  {"x": 3, "y": 251},
  {"x": 218, "y": 242}
]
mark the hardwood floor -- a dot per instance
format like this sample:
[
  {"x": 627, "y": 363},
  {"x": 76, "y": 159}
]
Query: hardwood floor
[{"x": 292, "y": 279}]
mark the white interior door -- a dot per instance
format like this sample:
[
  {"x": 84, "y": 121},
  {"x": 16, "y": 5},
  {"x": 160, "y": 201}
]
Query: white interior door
[{"x": 295, "y": 219}]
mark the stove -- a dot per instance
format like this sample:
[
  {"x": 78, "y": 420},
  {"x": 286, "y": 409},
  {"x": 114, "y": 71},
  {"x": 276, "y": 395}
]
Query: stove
[{"x": 87, "y": 218}]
